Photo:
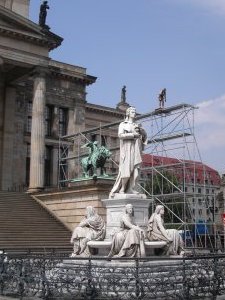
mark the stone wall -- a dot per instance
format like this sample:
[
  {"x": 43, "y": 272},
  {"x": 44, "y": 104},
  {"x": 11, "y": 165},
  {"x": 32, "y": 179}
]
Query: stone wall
[
  {"x": 1, "y": 122},
  {"x": 20, "y": 7},
  {"x": 69, "y": 205}
]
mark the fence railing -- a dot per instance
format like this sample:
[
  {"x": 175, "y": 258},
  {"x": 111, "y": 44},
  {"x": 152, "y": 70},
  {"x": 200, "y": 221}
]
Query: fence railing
[{"x": 48, "y": 277}]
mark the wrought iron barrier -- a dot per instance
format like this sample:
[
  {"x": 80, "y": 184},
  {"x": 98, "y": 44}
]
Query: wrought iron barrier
[{"x": 48, "y": 277}]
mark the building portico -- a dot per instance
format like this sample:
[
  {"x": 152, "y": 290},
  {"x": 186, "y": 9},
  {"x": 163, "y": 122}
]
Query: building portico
[{"x": 40, "y": 99}]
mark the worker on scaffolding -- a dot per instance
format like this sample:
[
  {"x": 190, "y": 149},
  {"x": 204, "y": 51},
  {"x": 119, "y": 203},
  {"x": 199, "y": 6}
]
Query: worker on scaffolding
[{"x": 162, "y": 98}]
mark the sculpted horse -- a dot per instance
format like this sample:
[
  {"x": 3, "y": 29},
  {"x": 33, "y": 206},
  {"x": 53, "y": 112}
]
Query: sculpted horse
[{"x": 96, "y": 159}]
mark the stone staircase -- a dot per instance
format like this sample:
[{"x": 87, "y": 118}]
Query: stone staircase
[{"x": 26, "y": 226}]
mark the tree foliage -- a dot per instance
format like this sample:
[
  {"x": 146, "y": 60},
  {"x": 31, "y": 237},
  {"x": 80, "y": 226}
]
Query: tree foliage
[
  {"x": 161, "y": 183},
  {"x": 166, "y": 183}
]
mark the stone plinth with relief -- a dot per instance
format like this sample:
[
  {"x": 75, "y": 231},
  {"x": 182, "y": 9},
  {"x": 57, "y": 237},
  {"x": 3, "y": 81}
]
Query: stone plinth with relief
[{"x": 115, "y": 208}]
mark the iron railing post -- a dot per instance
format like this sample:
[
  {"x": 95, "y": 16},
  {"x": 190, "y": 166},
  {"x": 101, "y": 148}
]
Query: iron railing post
[
  {"x": 215, "y": 278},
  {"x": 2, "y": 271},
  {"x": 90, "y": 290},
  {"x": 21, "y": 288},
  {"x": 185, "y": 282}
]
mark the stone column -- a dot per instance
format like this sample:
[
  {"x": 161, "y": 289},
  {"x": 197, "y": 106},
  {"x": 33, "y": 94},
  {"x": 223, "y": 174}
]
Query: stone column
[
  {"x": 37, "y": 158},
  {"x": 8, "y": 161},
  {"x": 2, "y": 87}
]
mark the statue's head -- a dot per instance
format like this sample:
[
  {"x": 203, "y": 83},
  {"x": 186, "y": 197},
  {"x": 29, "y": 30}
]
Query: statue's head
[
  {"x": 90, "y": 211},
  {"x": 130, "y": 112},
  {"x": 159, "y": 209},
  {"x": 129, "y": 209}
]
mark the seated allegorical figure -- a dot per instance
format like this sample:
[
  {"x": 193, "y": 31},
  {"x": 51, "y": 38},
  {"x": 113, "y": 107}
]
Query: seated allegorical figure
[
  {"x": 157, "y": 232},
  {"x": 129, "y": 240},
  {"x": 92, "y": 227}
]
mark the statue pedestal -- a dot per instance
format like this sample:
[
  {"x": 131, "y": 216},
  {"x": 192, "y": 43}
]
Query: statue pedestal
[{"x": 115, "y": 208}]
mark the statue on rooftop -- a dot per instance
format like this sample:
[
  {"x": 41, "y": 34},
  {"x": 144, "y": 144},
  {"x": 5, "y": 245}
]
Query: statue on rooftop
[
  {"x": 91, "y": 227},
  {"x": 123, "y": 94},
  {"x": 129, "y": 240},
  {"x": 43, "y": 14},
  {"x": 162, "y": 98},
  {"x": 132, "y": 140},
  {"x": 157, "y": 232}
]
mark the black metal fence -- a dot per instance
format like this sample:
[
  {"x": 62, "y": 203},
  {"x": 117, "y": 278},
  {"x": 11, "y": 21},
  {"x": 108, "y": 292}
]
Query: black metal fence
[{"x": 48, "y": 277}]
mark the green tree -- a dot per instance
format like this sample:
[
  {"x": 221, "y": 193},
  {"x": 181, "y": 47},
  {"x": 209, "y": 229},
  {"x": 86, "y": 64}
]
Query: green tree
[
  {"x": 164, "y": 182},
  {"x": 167, "y": 183}
]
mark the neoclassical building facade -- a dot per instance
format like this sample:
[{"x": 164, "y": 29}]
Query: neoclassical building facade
[{"x": 40, "y": 99}]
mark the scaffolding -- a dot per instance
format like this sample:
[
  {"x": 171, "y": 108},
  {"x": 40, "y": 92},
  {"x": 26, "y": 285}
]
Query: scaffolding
[{"x": 172, "y": 174}]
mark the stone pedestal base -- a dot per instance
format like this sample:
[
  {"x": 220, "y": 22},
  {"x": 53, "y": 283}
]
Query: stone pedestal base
[
  {"x": 34, "y": 190},
  {"x": 115, "y": 208},
  {"x": 129, "y": 196}
]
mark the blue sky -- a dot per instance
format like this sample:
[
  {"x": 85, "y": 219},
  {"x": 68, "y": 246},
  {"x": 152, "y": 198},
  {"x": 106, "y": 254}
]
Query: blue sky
[{"x": 148, "y": 45}]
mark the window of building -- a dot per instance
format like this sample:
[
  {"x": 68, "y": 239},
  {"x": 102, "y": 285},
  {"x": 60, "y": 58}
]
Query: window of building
[
  {"x": 28, "y": 124},
  {"x": 193, "y": 211},
  {"x": 48, "y": 120},
  {"x": 200, "y": 212},
  {"x": 103, "y": 140},
  {"x": 29, "y": 107},
  {"x": 199, "y": 190},
  {"x": 27, "y": 164},
  {"x": 93, "y": 137},
  {"x": 48, "y": 165},
  {"x": 29, "y": 117},
  {"x": 200, "y": 201},
  {"x": 63, "y": 115},
  {"x": 207, "y": 191}
]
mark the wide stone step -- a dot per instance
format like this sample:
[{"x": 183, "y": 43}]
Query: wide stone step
[{"x": 25, "y": 223}]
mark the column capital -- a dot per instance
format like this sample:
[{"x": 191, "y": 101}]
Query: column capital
[{"x": 40, "y": 71}]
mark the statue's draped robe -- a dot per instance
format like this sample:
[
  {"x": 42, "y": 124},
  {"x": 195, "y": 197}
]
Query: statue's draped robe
[
  {"x": 127, "y": 241},
  {"x": 130, "y": 157},
  {"x": 157, "y": 232},
  {"x": 89, "y": 229}
]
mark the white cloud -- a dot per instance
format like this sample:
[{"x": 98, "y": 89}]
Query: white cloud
[
  {"x": 214, "y": 6},
  {"x": 210, "y": 131},
  {"x": 211, "y": 112},
  {"x": 217, "y": 6}
]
